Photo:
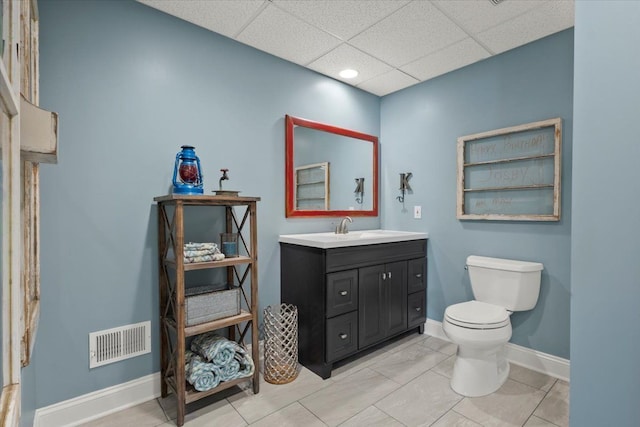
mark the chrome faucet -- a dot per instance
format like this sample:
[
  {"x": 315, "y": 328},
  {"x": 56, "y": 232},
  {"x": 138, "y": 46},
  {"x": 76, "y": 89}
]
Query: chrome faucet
[{"x": 342, "y": 227}]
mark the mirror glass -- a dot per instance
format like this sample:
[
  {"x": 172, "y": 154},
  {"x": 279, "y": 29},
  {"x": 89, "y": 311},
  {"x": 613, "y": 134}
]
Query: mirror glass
[{"x": 330, "y": 171}]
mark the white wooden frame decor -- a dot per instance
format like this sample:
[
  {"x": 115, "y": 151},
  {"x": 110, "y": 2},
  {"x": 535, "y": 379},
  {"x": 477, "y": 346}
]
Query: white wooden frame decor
[
  {"x": 511, "y": 174},
  {"x": 312, "y": 186},
  {"x": 28, "y": 136}
]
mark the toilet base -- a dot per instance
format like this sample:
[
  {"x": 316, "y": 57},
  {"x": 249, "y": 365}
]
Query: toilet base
[{"x": 479, "y": 371}]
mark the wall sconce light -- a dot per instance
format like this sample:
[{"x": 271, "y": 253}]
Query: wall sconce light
[
  {"x": 359, "y": 192},
  {"x": 404, "y": 185}
]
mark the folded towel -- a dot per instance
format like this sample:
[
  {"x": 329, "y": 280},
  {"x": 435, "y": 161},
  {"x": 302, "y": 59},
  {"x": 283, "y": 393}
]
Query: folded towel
[
  {"x": 204, "y": 258},
  {"x": 201, "y": 375},
  {"x": 200, "y": 246},
  {"x": 230, "y": 371},
  {"x": 194, "y": 252},
  {"x": 214, "y": 348},
  {"x": 247, "y": 366}
]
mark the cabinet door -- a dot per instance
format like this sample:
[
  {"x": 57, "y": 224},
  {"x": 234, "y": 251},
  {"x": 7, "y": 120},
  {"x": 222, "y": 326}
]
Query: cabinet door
[
  {"x": 417, "y": 275},
  {"x": 371, "y": 306},
  {"x": 395, "y": 284},
  {"x": 342, "y": 292}
]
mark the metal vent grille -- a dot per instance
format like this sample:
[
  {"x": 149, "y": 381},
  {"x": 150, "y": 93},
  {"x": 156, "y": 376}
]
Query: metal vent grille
[
  {"x": 112, "y": 345},
  {"x": 496, "y": 2}
]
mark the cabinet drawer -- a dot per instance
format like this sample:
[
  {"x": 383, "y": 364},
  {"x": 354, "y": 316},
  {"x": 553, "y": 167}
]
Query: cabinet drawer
[
  {"x": 342, "y": 292},
  {"x": 417, "y": 275},
  {"x": 416, "y": 309},
  {"x": 342, "y": 336}
]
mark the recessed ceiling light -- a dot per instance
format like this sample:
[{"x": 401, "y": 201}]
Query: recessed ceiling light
[{"x": 348, "y": 73}]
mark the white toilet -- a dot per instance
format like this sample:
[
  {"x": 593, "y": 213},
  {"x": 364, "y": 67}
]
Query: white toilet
[{"x": 482, "y": 327}]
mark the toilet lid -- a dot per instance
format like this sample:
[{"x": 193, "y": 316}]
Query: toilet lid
[{"x": 477, "y": 315}]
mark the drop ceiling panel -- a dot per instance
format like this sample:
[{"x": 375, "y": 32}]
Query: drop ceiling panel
[
  {"x": 345, "y": 56},
  {"x": 412, "y": 32},
  {"x": 479, "y": 15},
  {"x": 450, "y": 58},
  {"x": 387, "y": 83},
  {"x": 286, "y": 36},
  {"x": 343, "y": 19},
  {"x": 392, "y": 43},
  {"x": 228, "y": 17},
  {"x": 547, "y": 19}
]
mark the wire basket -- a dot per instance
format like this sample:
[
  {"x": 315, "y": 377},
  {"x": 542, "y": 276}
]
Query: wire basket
[{"x": 280, "y": 343}]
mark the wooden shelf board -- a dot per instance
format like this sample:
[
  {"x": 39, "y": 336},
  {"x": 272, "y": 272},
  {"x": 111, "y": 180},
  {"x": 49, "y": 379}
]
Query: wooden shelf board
[
  {"x": 191, "y": 394},
  {"x": 206, "y": 200},
  {"x": 212, "y": 264},
  {"x": 225, "y": 322}
]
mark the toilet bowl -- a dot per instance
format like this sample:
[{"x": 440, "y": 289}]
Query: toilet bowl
[
  {"x": 482, "y": 327},
  {"x": 481, "y": 367}
]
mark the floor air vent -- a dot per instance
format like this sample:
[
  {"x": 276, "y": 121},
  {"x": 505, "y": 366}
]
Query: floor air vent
[{"x": 121, "y": 343}]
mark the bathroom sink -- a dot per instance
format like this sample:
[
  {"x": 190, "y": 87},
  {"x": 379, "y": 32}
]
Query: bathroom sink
[{"x": 352, "y": 238}]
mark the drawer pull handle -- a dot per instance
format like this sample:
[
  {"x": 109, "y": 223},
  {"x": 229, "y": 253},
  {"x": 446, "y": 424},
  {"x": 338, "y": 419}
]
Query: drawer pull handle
[
  {"x": 419, "y": 275},
  {"x": 389, "y": 275},
  {"x": 343, "y": 293},
  {"x": 384, "y": 276},
  {"x": 343, "y": 336},
  {"x": 418, "y": 309}
]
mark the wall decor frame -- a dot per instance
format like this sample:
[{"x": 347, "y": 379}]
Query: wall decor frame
[
  {"x": 511, "y": 174},
  {"x": 312, "y": 186}
]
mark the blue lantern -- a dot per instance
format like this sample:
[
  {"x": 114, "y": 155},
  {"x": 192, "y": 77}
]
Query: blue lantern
[{"x": 187, "y": 176}]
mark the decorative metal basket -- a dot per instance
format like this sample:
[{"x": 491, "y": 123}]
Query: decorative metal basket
[{"x": 280, "y": 344}]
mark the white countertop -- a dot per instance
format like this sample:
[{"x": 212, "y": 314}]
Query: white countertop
[{"x": 353, "y": 238}]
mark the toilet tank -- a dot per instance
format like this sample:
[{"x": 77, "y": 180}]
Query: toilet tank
[{"x": 514, "y": 285}]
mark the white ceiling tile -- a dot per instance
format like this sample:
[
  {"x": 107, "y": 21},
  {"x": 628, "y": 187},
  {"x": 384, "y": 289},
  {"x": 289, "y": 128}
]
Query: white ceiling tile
[
  {"x": 479, "y": 15},
  {"x": 282, "y": 34},
  {"x": 345, "y": 56},
  {"x": 412, "y": 32},
  {"x": 343, "y": 19},
  {"x": 389, "y": 82},
  {"x": 547, "y": 19},
  {"x": 389, "y": 41},
  {"x": 226, "y": 18},
  {"x": 448, "y": 59}
]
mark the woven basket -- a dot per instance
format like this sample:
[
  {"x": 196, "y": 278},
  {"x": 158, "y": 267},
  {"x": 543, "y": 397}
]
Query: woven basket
[{"x": 280, "y": 344}]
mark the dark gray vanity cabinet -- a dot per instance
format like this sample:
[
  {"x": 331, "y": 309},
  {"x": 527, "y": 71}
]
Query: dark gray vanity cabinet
[{"x": 352, "y": 298}]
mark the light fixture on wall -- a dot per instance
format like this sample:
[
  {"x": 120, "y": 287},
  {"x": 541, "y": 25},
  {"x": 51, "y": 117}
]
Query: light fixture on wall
[
  {"x": 359, "y": 192},
  {"x": 404, "y": 185},
  {"x": 348, "y": 73}
]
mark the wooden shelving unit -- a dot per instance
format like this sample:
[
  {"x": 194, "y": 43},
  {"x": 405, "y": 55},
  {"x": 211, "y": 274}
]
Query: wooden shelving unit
[{"x": 241, "y": 271}]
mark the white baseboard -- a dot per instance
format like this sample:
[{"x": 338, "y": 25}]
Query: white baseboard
[
  {"x": 535, "y": 360},
  {"x": 99, "y": 403},
  {"x": 85, "y": 408}
]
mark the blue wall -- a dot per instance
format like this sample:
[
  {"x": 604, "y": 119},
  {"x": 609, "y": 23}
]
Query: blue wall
[
  {"x": 132, "y": 84},
  {"x": 605, "y": 305},
  {"x": 419, "y": 131}
]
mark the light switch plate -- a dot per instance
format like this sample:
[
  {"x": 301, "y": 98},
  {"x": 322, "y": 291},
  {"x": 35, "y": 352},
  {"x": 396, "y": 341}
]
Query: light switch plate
[{"x": 417, "y": 212}]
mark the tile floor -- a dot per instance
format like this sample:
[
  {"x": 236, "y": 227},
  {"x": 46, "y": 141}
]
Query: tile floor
[{"x": 405, "y": 383}]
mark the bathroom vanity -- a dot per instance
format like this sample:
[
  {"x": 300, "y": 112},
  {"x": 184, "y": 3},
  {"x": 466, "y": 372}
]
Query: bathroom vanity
[{"x": 353, "y": 291}]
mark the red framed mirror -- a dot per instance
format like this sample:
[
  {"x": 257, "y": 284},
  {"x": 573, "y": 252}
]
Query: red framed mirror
[{"x": 329, "y": 171}]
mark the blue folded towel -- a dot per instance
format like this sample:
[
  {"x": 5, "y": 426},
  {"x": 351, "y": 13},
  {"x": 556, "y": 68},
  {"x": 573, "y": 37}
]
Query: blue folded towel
[
  {"x": 201, "y": 375},
  {"x": 230, "y": 359},
  {"x": 214, "y": 348},
  {"x": 230, "y": 370},
  {"x": 247, "y": 366},
  {"x": 200, "y": 246}
]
